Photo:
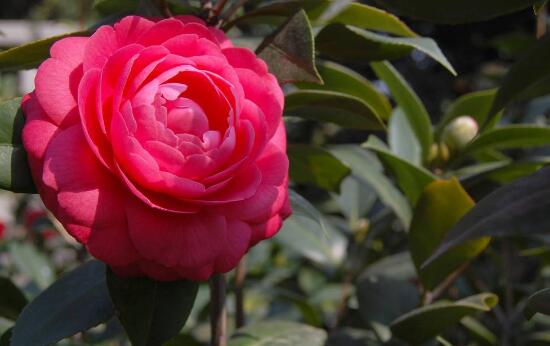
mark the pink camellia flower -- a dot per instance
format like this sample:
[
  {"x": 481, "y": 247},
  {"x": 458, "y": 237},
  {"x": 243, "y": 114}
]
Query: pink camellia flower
[
  {"x": 2, "y": 230},
  {"x": 159, "y": 146}
]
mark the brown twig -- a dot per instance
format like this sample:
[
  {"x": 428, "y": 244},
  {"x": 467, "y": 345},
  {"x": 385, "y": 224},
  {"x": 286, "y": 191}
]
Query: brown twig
[
  {"x": 437, "y": 292},
  {"x": 240, "y": 277},
  {"x": 232, "y": 10},
  {"x": 219, "y": 7},
  {"x": 218, "y": 311},
  {"x": 542, "y": 21}
]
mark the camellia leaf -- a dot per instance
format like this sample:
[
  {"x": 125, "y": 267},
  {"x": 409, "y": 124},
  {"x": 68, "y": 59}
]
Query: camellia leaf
[
  {"x": 527, "y": 78},
  {"x": 441, "y": 206},
  {"x": 313, "y": 165},
  {"x": 476, "y": 105},
  {"x": 539, "y": 6},
  {"x": 351, "y": 44},
  {"x": 290, "y": 51},
  {"x": 401, "y": 138},
  {"x": 343, "y": 80},
  {"x": 512, "y": 136},
  {"x": 455, "y": 11},
  {"x": 386, "y": 290},
  {"x": 151, "y": 312},
  {"x": 278, "y": 333},
  {"x": 519, "y": 208},
  {"x": 305, "y": 232},
  {"x": 411, "y": 104},
  {"x": 109, "y": 7},
  {"x": 14, "y": 170},
  {"x": 33, "y": 263},
  {"x": 428, "y": 321},
  {"x": 32, "y": 54},
  {"x": 342, "y": 109},
  {"x": 5, "y": 339},
  {"x": 12, "y": 300},
  {"x": 538, "y": 302},
  {"x": 368, "y": 169},
  {"x": 411, "y": 179},
  {"x": 371, "y": 18},
  {"x": 76, "y": 302}
]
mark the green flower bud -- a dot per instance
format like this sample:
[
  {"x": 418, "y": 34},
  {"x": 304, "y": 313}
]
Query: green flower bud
[{"x": 460, "y": 132}]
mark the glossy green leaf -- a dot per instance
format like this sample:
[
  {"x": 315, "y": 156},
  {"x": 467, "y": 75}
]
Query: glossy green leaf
[
  {"x": 428, "y": 321},
  {"x": 440, "y": 207},
  {"x": 315, "y": 166},
  {"x": 31, "y": 262},
  {"x": 368, "y": 169},
  {"x": 411, "y": 179},
  {"x": 12, "y": 300},
  {"x": 401, "y": 138},
  {"x": 511, "y": 136},
  {"x": 454, "y": 11},
  {"x": 371, "y": 18},
  {"x": 476, "y": 105},
  {"x": 519, "y": 208},
  {"x": 342, "y": 109},
  {"x": 527, "y": 78},
  {"x": 14, "y": 170},
  {"x": 538, "y": 302},
  {"x": 272, "y": 333},
  {"x": 76, "y": 302},
  {"x": 356, "y": 198},
  {"x": 305, "y": 232},
  {"x": 409, "y": 102},
  {"x": 386, "y": 289},
  {"x": 32, "y": 54},
  {"x": 290, "y": 52},
  {"x": 344, "y": 80},
  {"x": 351, "y": 44},
  {"x": 151, "y": 312}
]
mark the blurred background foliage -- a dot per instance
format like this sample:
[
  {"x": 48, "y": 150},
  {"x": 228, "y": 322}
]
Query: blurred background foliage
[{"x": 369, "y": 206}]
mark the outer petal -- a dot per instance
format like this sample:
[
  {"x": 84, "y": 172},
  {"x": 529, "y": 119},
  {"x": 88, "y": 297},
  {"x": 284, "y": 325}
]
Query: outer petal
[
  {"x": 176, "y": 240},
  {"x": 57, "y": 80},
  {"x": 238, "y": 239}
]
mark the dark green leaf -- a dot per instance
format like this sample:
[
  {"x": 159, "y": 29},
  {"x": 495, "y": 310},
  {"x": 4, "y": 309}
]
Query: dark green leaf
[
  {"x": 439, "y": 208},
  {"x": 306, "y": 233},
  {"x": 371, "y": 18},
  {"x": 32, "y": 54},
  {"x": 368, "y": 169},
  {"x": 14, "y": 170},
  {"x": 151, "y": 312},
  {"x": 478, "y": 331},
  {"x": 74, "y": 303},
  {"x": 476, "y": 105},
  {"x": 386, "y": 289},
  {"x": 512, "y": 136},
  {"x": 455, "y": 11},
  {"x": 109, "y": 7},
  {"x": 315, "y": 166},
  {"x": 428, "y": 321},
  {"x": 401, "y": 138},
  {"x": 5, "y": 339},
  {"x": 31, "y": 262},
  {"x": 411, "y": 104},
  {"x": 539, "y": 6},
  {"x": 271, "y": 333},
  {"x": 538, "y": 302},
  {"x": 344, "y": 110},
  {"x": 519, "y": 208},
  {"x": 528, "y": 78},
  {"x": 12, "y": 300},
  {"x": 411, "y": 179},
  {"x": 350, "y": 44},
  {"x": 289, "y": 51},
  {"x": 343, "y": 80}
]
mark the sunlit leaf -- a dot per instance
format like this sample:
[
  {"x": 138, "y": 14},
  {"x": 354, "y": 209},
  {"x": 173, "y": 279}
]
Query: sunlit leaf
[
  {"x": 511, "y": 136},
  {"x": 278, "y": 333}
]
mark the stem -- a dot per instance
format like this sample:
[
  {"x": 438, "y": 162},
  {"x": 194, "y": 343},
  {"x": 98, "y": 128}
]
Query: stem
[
  {"x": 233, "y": 9},
  {"x": 432, "y": 296},
  {"x": 240, "y": 276},
  {"x": 219, "y": 7},
  {"x": 218, "y": 311},
  {"x": 163, "y": 7}
]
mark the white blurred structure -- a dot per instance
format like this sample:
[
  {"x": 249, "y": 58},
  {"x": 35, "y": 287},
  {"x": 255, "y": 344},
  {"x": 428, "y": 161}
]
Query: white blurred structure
[{"x": 17, "y": 32}]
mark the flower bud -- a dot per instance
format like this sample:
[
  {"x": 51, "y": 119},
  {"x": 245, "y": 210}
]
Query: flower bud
[{"x": 460, "y": 132}]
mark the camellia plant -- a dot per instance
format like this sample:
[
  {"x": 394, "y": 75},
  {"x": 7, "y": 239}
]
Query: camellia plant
[{"x": 182, "y": 180}]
